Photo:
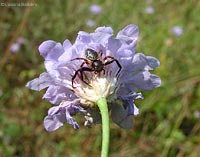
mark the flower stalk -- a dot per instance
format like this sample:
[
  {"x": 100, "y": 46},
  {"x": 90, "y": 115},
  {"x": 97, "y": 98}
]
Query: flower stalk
[{"x": 103, "y": 107}]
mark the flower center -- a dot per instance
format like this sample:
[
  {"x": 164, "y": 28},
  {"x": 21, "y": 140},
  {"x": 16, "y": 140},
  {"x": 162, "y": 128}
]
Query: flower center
[{"x": 99, "y": 87}]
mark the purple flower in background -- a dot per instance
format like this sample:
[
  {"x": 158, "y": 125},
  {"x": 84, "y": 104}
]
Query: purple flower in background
[
  {"x": 95, "y": 9},
  {"x": 20, "y": 40},
  {"x": 90, "y": 23},
  {"x": 15, "y": 47},
  {"x": 177, "y": 30},
  {"x": 149, "y": 10},
  {"x": 196, "y": 114},
  {"x": 64, "y": 61}
]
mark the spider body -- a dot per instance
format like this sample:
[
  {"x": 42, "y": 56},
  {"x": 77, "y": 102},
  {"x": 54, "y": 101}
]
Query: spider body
[
  {"x": 97, "y": 66},
  {"x": 94, "y": 64}
]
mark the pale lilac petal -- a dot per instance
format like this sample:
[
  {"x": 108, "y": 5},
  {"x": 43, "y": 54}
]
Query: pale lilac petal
[
  {"x": 68, "y": 55},
  {"x": 142, "y": 62},
  {"x": 40, "y": 83},
  {"x": 66, "y": 44},
  {"x": 106, "y": 30},
  {"x": 51, "y": 50},
  {"x": 102, "y": 34},
  {"x": 153, "y": 63},
  {"x": 58, "y": 115},
  {"x": 52, "y": 123},
  {"x": 50, "y": 65},
  {"x": 129, "y": 34},
  {"x": 83, "y": 37},
  {"x": 125, "y": 61},
  {"x": 54, "y": 110},
  {"x": 56, "y": 94},
  {"x": 139, "y": 63},
  {"x": 144, "y": 81},
  {"x": 113, "y": 45}
]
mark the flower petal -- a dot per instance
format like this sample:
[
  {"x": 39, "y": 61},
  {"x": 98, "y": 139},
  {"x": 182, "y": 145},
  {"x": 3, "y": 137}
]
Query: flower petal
[
  {"x": 142, "y": 62},
  {"x": 53, "y": 122},
  {"x": 102, "y": 34},
  {"x": 71, "y": 121},
  {"x": 66, "y": 44},
  {"x": 40, "y": 83},
  {"x": 50, "y": 50},
  {"x": 106, "y": 30},
  {"x": 152, "y": 63},
  {"x": 56, "y": 94},
  {"x": 58, "y": 115},
  {"x": 120, "y": 116},
  {"x": 129, "y": 99},
  {"x": 83, "y": 37},
  {"x": 54, "y": 110},
  {"x": 113, "y": 46},
  {"x": 144, "y": 81},
  {"x": 128, "y": 34}
]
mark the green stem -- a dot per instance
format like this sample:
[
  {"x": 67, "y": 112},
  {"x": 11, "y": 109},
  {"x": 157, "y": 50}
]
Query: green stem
[{"x": 103, "y": 107}]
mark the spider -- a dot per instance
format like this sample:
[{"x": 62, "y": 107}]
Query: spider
[{"x": 94, "y": 64}]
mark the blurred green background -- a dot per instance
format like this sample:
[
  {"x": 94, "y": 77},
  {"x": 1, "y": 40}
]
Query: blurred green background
[{"x": 169, "y": 120}]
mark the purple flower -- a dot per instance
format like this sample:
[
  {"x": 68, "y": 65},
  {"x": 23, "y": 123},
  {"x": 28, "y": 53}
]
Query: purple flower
[
  {"x": 90, "y": 23},
  {"x": 149, "y": 10},
  {"x": 15, "y": 47},
  {"x": 119, "y": 89},
  {"x": 177, "y": 30},
  {"x": 95, "y": 9},
  {"x": 20, "y": 40}
]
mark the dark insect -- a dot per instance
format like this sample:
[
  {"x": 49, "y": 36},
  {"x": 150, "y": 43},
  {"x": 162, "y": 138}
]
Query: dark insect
[{"x": 94, "y": 64}]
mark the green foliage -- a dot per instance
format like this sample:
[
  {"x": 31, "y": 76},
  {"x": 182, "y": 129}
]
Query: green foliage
[{"x": 169, "y": 120}]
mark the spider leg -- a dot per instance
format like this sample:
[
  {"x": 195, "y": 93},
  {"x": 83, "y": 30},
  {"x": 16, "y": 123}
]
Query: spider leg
[
  {"x": 79, "y": 59},
  {"x": 85, "y": 61},
  {"x": 104, "y": 71},
  {"x": 111, "y": 61},
  {"x": 81, "y": 70},
  {"x": 100, "y": 53}
]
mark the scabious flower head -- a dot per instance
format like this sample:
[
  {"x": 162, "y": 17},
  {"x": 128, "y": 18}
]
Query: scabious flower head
[
  {"x": 177, "y": 30},
  {"x": 20, "y": 40},
  {"x": 149, "y": 10},
  {"x": 15, "y": 47},
  {"x": 124, "y": 71},
  {"x": 90, "y": 23},
  {"x": 95, "y": 9}
]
